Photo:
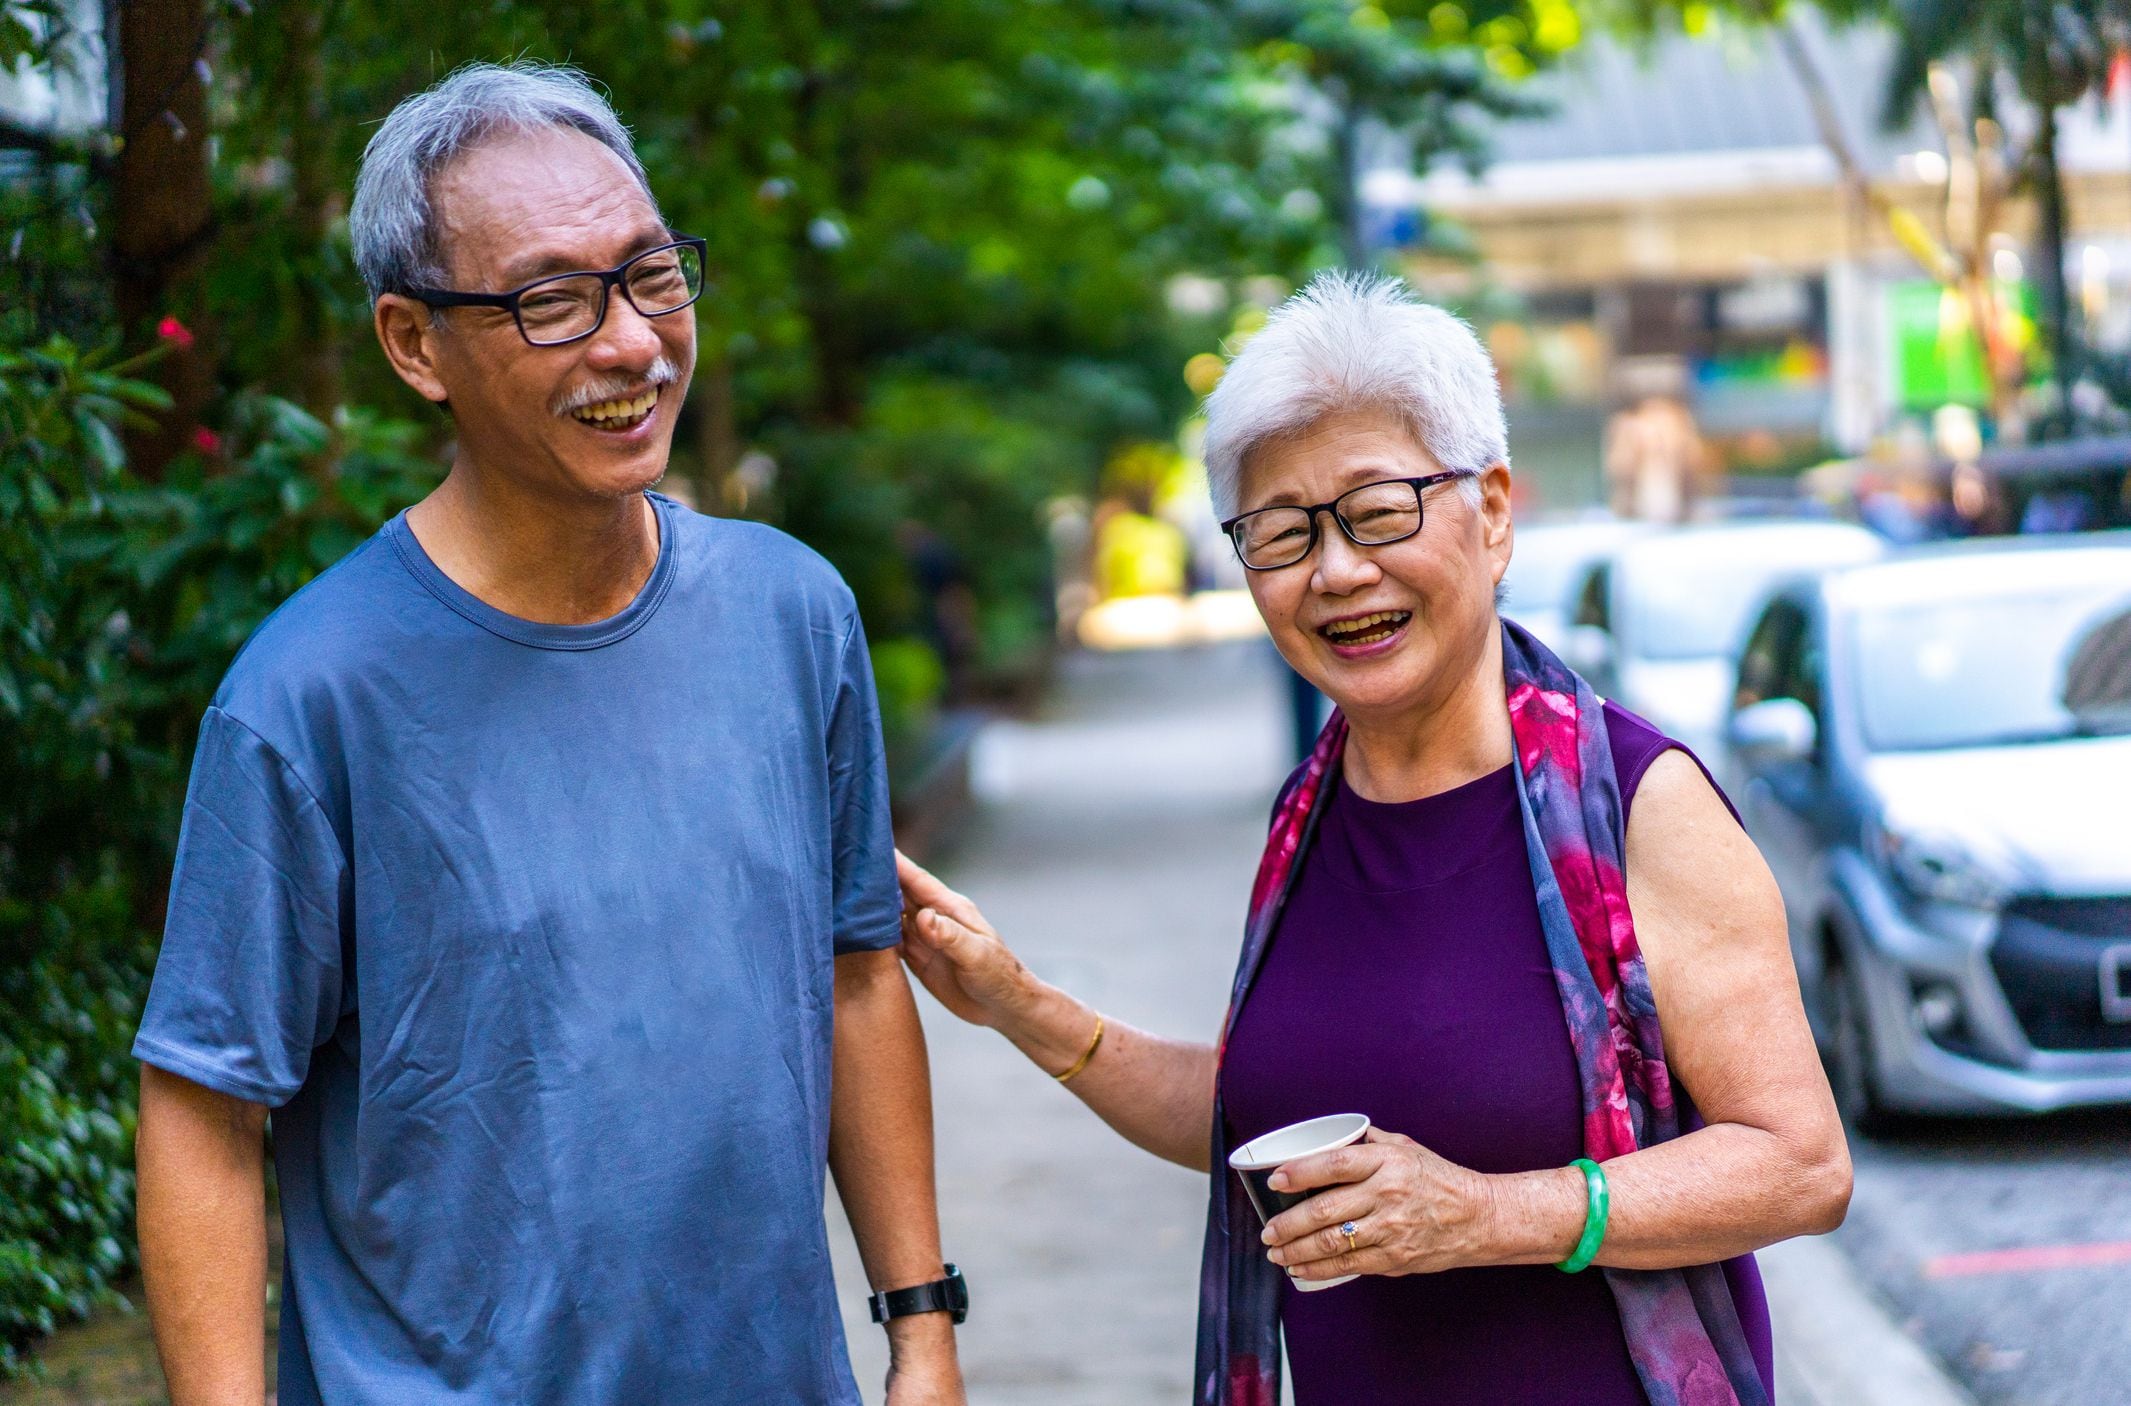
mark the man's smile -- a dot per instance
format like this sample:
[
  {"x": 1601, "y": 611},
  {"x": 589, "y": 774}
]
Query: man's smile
[{"x": 619, "y": 414}]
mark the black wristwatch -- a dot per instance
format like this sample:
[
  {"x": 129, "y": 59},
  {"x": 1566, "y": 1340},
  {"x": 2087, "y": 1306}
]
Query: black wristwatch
[{"x": 949, "y": 1295}]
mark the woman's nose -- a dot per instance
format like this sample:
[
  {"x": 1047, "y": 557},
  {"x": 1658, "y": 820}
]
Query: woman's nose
[{"x": 1342, "y": 567}]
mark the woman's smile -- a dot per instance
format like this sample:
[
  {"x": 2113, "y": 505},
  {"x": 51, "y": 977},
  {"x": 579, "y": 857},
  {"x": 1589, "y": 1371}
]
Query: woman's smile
[{"x": 1365, "y": 635}]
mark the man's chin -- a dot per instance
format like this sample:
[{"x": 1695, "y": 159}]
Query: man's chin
[{"x": 613, "y": 471}]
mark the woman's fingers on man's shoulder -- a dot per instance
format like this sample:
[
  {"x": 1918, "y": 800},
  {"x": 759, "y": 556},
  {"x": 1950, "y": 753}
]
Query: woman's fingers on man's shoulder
[{"x": 923, "y": 889}]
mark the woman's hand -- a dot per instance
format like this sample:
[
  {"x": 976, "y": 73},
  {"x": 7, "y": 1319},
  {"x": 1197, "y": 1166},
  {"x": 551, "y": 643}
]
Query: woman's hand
[
  {"x": 955, "y": 952},
  {"x": 1413, "y": 1212}
]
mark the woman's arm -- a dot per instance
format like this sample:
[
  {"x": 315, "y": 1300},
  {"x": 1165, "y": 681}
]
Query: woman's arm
[
  {"x": 1157, "y": 1093},
  {"x": 1771, "y": 1162}
]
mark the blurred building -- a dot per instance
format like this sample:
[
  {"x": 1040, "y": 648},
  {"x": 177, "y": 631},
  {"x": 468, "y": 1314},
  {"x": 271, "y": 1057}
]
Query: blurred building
[{"x": 1678, "y": 225}]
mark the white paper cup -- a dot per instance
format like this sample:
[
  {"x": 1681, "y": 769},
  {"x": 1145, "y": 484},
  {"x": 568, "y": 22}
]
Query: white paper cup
[{"x": 1255, "y": 1161}]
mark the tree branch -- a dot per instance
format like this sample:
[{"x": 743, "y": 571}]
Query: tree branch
[{"x": 14, "y": 136}]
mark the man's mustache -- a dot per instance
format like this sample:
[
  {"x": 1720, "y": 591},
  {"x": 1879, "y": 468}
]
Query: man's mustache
[{"x": 617, "y": 387}]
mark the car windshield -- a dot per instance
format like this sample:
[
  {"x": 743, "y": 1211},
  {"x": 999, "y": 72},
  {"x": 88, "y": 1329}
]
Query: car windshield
[
  {"x": 2032, "y": 667},
  {"x": 1689, "y": 598}
]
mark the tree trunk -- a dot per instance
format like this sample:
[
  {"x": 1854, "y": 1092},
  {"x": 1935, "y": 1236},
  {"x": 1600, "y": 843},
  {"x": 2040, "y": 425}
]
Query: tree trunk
[
  {"x": 1346, "y": 183},
  {"x": 717, "y": 438},
  {"x": 317, "y": 369},
  {"x": 2048, "y": 257},
  {"x": 161, "y": 213}
]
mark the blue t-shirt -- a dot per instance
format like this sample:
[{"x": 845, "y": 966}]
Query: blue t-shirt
[{"x": 527, "y": 934}]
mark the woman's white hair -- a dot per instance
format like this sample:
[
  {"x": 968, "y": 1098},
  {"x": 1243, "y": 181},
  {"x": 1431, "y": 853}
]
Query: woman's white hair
[{"x": 1357, "y": 341}]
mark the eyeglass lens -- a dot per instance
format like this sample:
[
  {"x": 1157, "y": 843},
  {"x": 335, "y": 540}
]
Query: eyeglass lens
[
  {"x": 1371, "y": 515},
  {"x": 565, "y": 308}
]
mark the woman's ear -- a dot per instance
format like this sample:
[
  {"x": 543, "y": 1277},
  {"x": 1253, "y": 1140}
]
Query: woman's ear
[
  {"x": 1496, "y": 533},
  {"x": 407, "y": 330}
]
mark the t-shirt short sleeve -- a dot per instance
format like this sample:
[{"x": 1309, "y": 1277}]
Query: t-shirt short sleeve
[
  {"x": 868, "y": 906},
  {"x": 250, "y": 975}
]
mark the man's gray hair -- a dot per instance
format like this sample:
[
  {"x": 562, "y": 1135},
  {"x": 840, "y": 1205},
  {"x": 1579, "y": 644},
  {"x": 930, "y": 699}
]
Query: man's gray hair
[
  {"x": 1357, "y": 341},
  {"x": 392, "y": 224}
]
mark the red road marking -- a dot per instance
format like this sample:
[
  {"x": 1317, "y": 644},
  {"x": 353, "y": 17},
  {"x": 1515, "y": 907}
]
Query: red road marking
[{"x": 2024, "y": 1259}]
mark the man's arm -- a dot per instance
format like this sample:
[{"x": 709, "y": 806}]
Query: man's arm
[
  {"x": 200, "y": 1161},
  {"x": 880, "y": 1150}
]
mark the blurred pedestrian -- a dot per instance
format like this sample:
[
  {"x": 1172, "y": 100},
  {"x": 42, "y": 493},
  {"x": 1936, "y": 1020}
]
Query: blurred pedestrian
[
  {"x": 1137, "y": 553},
  {"x": 1517, "y": 928},
  {"x": 947, "y": 601},
  {"x": 1656, "y": 460},
  {"x": 528, "y": 856}
]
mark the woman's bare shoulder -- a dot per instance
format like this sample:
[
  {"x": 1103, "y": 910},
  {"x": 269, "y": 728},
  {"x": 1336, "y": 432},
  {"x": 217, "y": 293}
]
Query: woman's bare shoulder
[{"x": 1695, "y": 879}]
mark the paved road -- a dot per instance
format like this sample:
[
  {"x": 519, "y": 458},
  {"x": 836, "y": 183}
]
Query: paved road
[
  {"x": 2045, "y": 1321},
  {"x": 1114, "y": 848}
]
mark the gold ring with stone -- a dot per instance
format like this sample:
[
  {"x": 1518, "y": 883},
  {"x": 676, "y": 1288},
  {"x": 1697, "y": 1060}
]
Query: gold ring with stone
[{"x": 1347, "y": 1228}]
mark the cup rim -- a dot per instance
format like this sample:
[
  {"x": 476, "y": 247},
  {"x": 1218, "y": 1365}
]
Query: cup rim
[{"x": 1339, "y": 1129}]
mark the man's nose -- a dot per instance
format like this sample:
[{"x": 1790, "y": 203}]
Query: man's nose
[{"x": 626, "y": 340}]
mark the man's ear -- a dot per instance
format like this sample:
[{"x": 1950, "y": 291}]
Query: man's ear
[{"x": 405, "y": 331}]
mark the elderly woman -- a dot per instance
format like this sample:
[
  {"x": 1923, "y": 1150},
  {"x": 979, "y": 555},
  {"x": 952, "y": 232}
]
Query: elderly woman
[{"x": 1516, "y": 926}]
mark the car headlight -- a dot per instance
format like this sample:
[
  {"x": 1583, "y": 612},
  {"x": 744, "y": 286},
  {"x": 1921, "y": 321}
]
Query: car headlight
[{"x": 1938, "y": 867}]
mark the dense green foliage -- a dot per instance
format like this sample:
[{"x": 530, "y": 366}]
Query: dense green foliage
[
  {"x": 123, "y": 602},
  {"x": 960, "y": 253}
]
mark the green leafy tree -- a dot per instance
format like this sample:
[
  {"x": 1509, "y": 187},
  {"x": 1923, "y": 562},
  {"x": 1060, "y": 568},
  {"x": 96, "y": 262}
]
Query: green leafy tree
[{"x": 1433, "y": 75}]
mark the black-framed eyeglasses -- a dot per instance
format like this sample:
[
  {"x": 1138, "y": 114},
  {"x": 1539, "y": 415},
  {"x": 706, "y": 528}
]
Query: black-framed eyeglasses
[
  {"x": 568, "y": 307},
  {"x": 1372, "y": 515}
]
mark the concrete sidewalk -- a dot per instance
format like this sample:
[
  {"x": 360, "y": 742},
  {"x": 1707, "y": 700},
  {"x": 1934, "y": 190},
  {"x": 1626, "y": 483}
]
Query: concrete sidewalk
[{"x": 1114, "y": 848}]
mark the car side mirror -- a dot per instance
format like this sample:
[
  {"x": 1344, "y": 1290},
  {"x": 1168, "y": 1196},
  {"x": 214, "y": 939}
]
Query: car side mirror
[
  {"x": 1767, "y": 734},
  {"x": 1588, "y": 650}
]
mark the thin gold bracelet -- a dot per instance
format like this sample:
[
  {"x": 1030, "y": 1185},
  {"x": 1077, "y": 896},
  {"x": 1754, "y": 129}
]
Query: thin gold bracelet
[{"x": 1086, "y": 1055}]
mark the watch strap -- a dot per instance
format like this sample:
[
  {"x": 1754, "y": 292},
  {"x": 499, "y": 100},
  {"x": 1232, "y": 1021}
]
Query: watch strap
[{"x": 949, "y": 1295}]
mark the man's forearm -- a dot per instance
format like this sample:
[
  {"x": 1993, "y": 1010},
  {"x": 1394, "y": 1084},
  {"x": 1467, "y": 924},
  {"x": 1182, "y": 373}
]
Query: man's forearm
[
  {"x": 200, "y": 1162},
  {"x": 880, "y": 1136}
]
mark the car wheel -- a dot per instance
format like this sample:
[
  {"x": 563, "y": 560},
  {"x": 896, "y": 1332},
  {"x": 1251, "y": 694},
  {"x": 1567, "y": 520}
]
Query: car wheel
[{"x": 1848, "y": 1053}]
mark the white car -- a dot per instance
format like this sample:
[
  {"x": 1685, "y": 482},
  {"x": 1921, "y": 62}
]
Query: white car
[
  {"x": 1658, "y": 622},
  {"x": 1548, "y": 564}
]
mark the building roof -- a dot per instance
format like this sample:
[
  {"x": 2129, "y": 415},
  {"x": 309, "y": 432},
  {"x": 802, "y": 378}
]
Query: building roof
[
  {"x": 1683, "y": 116},
  {"x": 1735, "y": 92}
]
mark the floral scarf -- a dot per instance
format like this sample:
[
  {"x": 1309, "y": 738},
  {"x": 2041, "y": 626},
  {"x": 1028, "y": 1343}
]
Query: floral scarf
[{"x": 1681, "y": 1325}]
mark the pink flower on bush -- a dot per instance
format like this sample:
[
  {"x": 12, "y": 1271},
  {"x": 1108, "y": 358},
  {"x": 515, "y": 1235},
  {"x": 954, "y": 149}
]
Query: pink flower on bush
[
  {"x": 175, "y": 332},
  {"x": 207, "y": 441}
]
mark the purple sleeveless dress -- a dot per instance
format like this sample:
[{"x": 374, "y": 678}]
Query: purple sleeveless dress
[{"x": 1412, "y": 942}]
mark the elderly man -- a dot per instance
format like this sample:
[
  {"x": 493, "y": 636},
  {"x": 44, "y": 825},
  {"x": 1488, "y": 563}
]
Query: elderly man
[{"x": 529, "y": 853}]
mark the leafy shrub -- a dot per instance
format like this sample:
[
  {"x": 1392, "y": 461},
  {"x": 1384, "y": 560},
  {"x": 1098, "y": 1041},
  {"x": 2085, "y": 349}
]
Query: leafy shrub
[
  {"x": 66, "y": 1107},
  {"x": 909, "y": 677},
  {"x": 121, "y": 603}
]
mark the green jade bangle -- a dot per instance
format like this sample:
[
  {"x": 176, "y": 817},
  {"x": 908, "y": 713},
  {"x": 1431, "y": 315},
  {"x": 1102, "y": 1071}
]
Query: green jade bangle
[{"x": 1594, "y": 1217}]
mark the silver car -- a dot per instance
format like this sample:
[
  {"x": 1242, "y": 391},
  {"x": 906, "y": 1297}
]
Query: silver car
[
  {"x": 1658, "y": 622},
  {"x": 1936, "y": 761}
]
